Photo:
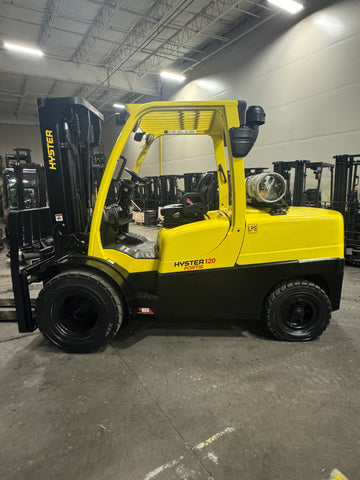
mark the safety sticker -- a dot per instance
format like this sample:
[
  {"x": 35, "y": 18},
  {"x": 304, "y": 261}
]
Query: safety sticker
[
  {"x": 180, "y": 132},
  {"x": 59, "y": 217}
]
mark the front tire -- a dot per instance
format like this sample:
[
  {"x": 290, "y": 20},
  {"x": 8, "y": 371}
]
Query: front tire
[
  {"x": 297, "y": 311},
  {"x": 79, "y": 311}
]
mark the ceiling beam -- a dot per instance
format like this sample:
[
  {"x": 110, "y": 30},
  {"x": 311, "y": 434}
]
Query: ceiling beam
[
  {"x": 145, "y": 32},
  {"x": 30, "y": 120},
  {"x": 233, "y": 40},
  {"x": 51, "y": 11},
  {"x": 84, "y": 75},
  {"x": 141, "y": 35},
  {"x": 22, "y": 97},
  {"x": 54, "y": 90},
  {"x": 196, "y": 26},
  {"x": 101, "y": 20}
]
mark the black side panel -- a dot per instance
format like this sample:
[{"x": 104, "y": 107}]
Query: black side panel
[{"x": 239, "y": 292}]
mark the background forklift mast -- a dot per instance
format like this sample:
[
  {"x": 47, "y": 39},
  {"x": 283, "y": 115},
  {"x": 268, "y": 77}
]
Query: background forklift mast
[
  {"x": 24, "y": 184},
  {"x": 346, "y": 200},
  {"x": 15, "y": 184},
  {"x": 297, "y": 194},
  {"x": 22, "y": 155}
]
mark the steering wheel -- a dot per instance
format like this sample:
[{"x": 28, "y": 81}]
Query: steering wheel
[{"x": 135, "y": 177}]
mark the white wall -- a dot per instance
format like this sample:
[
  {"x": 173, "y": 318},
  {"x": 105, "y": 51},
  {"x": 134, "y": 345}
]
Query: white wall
[
  {"x": 23, "y": 136},
  {"x": 307, "y": 80}
]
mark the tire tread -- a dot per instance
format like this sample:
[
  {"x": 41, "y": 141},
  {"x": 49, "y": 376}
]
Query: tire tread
[
  {"x": 103, "y": 283},
  {"x": 281, "y": 289}
]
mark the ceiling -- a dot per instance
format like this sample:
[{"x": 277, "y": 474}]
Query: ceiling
[{"x": 112, "y": 50}]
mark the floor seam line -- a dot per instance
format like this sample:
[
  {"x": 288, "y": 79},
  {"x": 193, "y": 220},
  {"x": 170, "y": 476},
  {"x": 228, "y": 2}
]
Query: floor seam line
[
  {"x": 193, "y": 454},
  {"x": 17, "y": 338}
]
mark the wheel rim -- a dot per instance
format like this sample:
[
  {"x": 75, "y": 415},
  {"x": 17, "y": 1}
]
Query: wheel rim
[
  {"x": 77, "y": 314},
  {"x": 300, "y": 314}
]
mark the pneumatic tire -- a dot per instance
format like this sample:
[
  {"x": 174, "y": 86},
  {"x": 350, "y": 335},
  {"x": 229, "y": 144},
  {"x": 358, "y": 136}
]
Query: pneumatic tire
[
  {"x": 297, "y": 311},
  {"x": 79, "y": 311}
]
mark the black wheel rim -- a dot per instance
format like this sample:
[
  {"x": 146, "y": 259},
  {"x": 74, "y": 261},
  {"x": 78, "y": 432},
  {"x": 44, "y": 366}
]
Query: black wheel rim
[
  {"x": 76, "y": 315},
  {"x": 300, "y": 314}
]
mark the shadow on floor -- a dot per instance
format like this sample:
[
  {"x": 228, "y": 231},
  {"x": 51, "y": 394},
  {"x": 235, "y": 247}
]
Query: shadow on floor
[{"x": 141, "y": 329}]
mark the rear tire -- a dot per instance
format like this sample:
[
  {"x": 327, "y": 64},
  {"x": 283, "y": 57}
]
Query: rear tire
[
  {"x": 79, "y": 311},
  {"x": 297, "y": 311}
]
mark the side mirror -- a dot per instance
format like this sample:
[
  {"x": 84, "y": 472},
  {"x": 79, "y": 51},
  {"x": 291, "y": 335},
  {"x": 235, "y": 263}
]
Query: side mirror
[
  {"x": 139, "y": 136},
  {"x": 243, "y": 138},
  {"x": 255, "y": 116}
]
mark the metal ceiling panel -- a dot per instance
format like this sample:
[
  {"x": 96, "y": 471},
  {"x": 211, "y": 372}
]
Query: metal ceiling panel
[
  {"x": 81, "y": 9},
  {"x": 113, "y": 50}
]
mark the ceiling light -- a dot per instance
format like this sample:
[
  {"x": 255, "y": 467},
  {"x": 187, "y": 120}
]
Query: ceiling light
[
  {"x": 119, "y": 105},
  {"x": 289, "y": 5},
  {"x": 19, "y": 48},
  {"x": 173, "y": 76}
]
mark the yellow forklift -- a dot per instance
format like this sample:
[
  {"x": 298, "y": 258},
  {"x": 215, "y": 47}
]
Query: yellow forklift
[{"x": 233, "y": 249}]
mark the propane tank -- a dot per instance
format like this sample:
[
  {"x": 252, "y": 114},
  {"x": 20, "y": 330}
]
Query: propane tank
[{"x": 265, "y": 187}]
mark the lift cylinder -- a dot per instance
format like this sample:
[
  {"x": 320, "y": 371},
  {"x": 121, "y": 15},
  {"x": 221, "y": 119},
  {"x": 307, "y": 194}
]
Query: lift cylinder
[{"x": 265, "y": 187}]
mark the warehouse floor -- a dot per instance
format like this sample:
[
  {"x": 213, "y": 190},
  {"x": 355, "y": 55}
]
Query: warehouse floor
[{"x": 184, "y": 401}]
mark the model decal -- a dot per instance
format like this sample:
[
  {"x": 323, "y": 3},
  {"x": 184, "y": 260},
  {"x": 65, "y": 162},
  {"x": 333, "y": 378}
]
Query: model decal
[
  {"x": 50, "y": 149},
  {"x": 194, "y": 264}
]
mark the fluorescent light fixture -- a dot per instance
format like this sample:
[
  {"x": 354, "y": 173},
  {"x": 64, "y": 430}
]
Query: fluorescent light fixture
[
  {"x": 21, "y": 49},
  {"x": 173, "y": 76},
  {"x": 290, "y": 6},
  {"x": 119, "y": 105}
]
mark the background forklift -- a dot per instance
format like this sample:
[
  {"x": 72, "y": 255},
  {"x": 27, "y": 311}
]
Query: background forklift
[
  {"x": 342, "y": 189},
  {"x": 24, "y": 184},
  {"x": 346, "y": 200},
  {"x": 232, "y": 261},
  {"x": 297, "y": 193}
]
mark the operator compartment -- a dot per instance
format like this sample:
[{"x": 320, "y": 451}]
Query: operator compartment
[{"x": 194, "y": 222}]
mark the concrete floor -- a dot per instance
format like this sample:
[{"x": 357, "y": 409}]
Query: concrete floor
[{"x": 184, "y": 401}]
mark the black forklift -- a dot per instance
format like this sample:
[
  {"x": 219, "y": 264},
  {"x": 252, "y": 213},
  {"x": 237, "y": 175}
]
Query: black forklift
[
  {"x": 24, "y": 183},
  {"x": 297, "y": 193},
  {"x": 346, "y": 200}
]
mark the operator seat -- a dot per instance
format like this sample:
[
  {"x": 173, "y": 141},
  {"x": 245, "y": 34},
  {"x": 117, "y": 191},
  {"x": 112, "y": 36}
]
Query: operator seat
[{"x": 194, "y": 205}]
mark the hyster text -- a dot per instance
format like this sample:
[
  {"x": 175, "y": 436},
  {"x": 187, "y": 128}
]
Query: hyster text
[{"x": 50, "y": 149}]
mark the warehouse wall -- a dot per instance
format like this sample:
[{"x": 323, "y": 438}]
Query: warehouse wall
[
  {"x": 23, "y": 136},
  {"x": 306, "y": 77}
]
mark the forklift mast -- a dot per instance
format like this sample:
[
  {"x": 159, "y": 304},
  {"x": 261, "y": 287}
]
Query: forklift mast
[
  {"x": 298, "y": 194},
  {"x": 312, "y": 196},
  {"x": 22, "y": 155},
  {"x": 346, "y": 201},
  {"x": 346, "y": 180},
  {"x": 284, "y": 169},
  {"x": 70, "y": 129}
]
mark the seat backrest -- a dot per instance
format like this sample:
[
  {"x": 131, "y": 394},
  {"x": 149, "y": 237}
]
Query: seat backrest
[{"x": 207, "y": 188}]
